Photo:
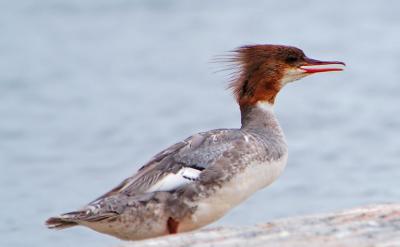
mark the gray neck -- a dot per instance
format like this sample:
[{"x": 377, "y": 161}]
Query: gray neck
[{"x": 260, "y": 119}]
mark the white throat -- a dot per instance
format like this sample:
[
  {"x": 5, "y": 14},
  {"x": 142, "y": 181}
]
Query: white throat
[{"x": 265, "y": 106}]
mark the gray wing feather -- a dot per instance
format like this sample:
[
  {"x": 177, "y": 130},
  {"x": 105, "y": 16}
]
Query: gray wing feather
[{"x": 198, "y": 151}]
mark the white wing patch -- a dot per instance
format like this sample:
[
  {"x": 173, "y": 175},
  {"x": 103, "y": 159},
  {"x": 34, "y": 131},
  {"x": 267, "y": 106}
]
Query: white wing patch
[{"x": 172, "y": 181}]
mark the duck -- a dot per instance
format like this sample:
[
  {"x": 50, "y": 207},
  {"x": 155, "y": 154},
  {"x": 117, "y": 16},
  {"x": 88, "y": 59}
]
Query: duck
[{"x": 198, "y": 180}]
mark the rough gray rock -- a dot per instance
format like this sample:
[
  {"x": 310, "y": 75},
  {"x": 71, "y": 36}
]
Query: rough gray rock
[{"x": 374, "y": 225}]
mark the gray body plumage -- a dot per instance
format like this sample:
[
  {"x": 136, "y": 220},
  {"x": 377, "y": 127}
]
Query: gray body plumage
[{"x": 223, "y": 158}]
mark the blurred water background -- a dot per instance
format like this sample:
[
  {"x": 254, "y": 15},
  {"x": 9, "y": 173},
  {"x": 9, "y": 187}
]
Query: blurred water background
[{"x": 90, "y": 90}]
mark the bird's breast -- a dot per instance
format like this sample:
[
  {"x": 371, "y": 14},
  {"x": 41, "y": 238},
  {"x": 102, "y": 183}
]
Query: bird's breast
[{"x": 253, "y": 178}]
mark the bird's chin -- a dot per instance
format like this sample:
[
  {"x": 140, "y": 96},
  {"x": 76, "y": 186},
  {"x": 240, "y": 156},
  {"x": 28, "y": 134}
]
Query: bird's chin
[{"x": 292, "y": 75}]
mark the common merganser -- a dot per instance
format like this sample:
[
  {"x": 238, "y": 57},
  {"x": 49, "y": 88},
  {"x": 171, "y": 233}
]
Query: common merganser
[{"x": 196, "y": 181}]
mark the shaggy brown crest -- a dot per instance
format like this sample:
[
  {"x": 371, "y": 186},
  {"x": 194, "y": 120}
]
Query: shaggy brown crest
[{"x": 261, "y": 69}]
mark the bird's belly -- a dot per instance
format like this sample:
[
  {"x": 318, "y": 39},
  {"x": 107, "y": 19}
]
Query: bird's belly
[{"x": 255, "y": 177}]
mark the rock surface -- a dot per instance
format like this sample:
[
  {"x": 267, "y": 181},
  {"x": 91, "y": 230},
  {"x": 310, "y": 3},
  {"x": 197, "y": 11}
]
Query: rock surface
[{"x": 374, "y": 225}]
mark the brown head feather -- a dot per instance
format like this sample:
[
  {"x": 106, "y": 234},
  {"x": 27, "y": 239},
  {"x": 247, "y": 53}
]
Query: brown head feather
[{"x": 261, "y": 69}]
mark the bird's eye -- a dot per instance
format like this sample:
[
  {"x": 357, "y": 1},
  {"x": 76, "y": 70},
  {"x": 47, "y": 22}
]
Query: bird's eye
[{"x": 291, "y": 59}]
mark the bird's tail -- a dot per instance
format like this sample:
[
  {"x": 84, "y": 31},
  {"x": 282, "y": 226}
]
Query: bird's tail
[
  {"x": 77, "y": 217},
  {"x": 64, "y": 220}
]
